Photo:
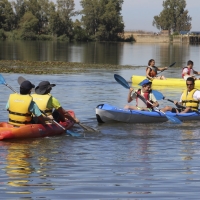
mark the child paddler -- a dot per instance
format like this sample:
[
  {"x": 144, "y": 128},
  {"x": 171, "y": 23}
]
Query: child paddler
[{"x": 146, "y": 93}]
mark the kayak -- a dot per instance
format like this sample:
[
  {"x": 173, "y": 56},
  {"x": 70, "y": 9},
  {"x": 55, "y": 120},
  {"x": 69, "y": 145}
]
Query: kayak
[
  {"x": 174, "y": 82},
  {"x": 109, "y": 113},
  {"x": 8, "y": 131}
]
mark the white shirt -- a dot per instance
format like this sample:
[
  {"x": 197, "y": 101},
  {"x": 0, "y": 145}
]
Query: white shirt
[
  {"x": 186, "y": 71},
  {"x": 140, "y": 102},
  {"x": 196, "y": 95}
]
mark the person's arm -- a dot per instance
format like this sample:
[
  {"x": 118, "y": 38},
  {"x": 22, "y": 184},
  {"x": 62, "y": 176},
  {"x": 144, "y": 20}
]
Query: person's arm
[
  {"x": 33, "y": 108},
  {"x": 65, "y": 114},
  {"x": 130, "y": 98},
  {"x": 162, "y": 69},
  {"x": 153, "y": 98},
  {"x": 196, "y": 72}
]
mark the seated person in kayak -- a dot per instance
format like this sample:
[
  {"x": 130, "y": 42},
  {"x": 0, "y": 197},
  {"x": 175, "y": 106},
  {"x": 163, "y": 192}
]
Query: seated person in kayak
[
  {"x": 46, "y": 102},
  {"x": 142, "y": 96},
  {"x": 189, "y": 100},
  {"x": 189, "y": 71},
  {"x": 151, "y": 71},
  {"x": 21, "y": 106}
]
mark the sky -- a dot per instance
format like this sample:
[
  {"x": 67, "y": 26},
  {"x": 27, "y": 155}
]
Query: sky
[{"x": 139, "y": 14}]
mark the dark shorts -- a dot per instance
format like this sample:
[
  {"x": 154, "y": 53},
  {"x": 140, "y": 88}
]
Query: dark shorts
[{"x": 174, "y": 110}]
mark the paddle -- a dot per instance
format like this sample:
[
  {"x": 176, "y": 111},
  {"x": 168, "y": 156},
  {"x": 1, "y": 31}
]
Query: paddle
[
  {"x": 87, "y": 128},
  {"x": 159, "y": 96},
  {"x": 124, "y": 83},
  {"x": 2, "y": 81},
  {"x": 69, "y": 132},
  {"x": 168, "y": 66}
]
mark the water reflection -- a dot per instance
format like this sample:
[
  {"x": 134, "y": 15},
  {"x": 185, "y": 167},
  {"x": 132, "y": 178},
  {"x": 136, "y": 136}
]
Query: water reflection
[
  {"x": 136, "y": 54},
  {"x": 28, "y": 164}
]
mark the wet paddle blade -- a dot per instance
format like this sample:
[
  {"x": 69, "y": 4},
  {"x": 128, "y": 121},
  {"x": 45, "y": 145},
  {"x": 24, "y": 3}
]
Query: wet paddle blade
[
  {"x": 2, "y": 80},
  {"x": 121, "y": 81},
  {"x": 174, "y": 119},
  {"x": 20, "y": 80},
  {"x": 158, "y": 94},
  {"x": 73, "y": 134},
  {"x": 172, "y": 64}
]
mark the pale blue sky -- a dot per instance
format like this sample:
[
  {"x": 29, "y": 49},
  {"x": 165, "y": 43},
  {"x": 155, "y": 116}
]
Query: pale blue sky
[{"x": 138, "y": 14}]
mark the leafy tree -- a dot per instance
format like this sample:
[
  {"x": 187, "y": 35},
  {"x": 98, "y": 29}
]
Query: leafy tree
[
  {"x": 102, "y": 18},
  {"x": 111, "y": 21},
  {"x": 28, "y": 26},
  {"x": 6, "y": 15},
  {"x": 19, "y": 9},
  {"x": 173, "y": 16},
  {"x": 66, "y": 12}
]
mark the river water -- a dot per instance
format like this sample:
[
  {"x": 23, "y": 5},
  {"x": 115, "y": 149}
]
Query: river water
[{"x": 122, "y": 161}]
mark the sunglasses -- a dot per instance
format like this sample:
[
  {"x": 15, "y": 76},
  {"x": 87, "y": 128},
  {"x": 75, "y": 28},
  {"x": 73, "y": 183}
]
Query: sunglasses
[{"x": 189, "y": 84}]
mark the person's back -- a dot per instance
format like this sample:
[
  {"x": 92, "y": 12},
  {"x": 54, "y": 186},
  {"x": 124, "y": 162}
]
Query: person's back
[
  {"x": 21, "y": 106},
  {"x": 46, "y": 102},
  {"x": 18, "y": 109}
]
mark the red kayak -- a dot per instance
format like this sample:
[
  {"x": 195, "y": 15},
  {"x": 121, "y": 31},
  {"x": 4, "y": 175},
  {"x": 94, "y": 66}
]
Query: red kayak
[{"x": 8, "y": 131}]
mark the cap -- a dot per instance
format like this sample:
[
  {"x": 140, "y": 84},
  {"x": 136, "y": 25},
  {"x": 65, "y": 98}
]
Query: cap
[
  {"x": 27, "y": 85},
  {"x": 145, "y": 81}
]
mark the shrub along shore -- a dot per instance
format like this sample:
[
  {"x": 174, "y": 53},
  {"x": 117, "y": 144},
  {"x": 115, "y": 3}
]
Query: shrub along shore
[{"x": 53, "y": 67}]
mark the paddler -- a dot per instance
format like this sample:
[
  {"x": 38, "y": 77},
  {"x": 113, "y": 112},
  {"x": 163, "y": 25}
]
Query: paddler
[
  {"x": 189, "y": 71},
  {"x": 46, "y": 102},
  {"x": 151, "y": 71},
  {"x": 21, "y": 106},
  {"x": 189, "y": 99},
  {"x": 147, "y": 95}
]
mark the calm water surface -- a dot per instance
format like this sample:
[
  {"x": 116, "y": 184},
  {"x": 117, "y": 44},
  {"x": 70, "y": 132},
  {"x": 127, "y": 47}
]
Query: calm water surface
[{"x": 123, "y": 161}]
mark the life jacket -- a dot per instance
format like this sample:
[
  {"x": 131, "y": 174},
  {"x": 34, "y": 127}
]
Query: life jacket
[
  {"x": 18, "y": 109},
  {"x": 146, "y": 97},
  {"x": 153, "y": 71},
  {"x": 188, "y": 73},
  {"x": 42, "y": 101},
  {"x": 189, "y": 101}
]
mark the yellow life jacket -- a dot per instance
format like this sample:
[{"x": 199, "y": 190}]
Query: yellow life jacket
[
  {"x": 18, "y": 109},
  {"x": 42, "y": 101},
  {"x": 189, "y": 101}
]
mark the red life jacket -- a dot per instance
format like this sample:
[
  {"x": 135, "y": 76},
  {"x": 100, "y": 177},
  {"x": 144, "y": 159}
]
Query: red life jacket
[
  {"x": 146, "y": 97},
  {"x": 188, "y": 73},
  {"x": 153, "y": 71}
]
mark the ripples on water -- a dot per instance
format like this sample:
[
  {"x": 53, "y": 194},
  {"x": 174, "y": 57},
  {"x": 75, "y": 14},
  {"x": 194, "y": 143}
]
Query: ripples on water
[{"x": 123, "y": 161}]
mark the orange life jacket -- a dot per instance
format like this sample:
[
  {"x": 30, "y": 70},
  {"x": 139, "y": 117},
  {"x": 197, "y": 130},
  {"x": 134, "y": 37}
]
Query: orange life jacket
[{"x": 153, "y": 71}]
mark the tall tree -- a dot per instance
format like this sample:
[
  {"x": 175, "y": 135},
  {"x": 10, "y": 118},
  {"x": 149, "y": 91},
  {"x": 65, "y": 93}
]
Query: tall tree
[
  {"x": 66, "y": 10},
  {"x": 6, "y": 15},
  {"x": 173, "y": 16},
  {"x": 102, "y": 18}
]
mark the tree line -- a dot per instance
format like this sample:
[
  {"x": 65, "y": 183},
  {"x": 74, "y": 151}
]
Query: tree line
[{"x": 100, "y": 19}]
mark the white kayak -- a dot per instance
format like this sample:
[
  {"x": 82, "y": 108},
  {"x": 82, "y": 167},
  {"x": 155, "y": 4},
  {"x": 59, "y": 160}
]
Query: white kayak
[{"x": 109, "y": 113}]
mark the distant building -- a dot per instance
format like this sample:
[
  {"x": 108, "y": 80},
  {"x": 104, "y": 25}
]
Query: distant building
[
  {"x": 184, "y": 32},
  {"x": 195, "y": 33}
]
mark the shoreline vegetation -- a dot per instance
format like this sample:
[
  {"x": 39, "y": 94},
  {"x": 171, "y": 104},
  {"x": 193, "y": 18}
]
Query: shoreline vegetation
[{"x": 53, "y": 67}]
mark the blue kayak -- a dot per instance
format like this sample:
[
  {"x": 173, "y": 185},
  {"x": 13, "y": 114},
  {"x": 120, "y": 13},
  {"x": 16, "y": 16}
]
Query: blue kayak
[{"x": 109, "y": 113}]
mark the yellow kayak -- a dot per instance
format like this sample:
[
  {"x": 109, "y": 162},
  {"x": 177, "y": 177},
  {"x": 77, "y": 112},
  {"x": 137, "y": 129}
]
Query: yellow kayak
[{"x": 173, "y": 82}]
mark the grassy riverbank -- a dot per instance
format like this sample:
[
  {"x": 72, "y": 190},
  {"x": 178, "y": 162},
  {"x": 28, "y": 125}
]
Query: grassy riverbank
[{"x": 52, "y": 67}]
